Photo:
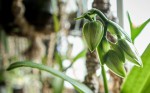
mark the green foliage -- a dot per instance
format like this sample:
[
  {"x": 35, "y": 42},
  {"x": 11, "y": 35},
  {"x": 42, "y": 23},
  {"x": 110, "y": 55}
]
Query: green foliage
[
  {"x": 136, "y": 30},
  {"x": 79, "y": 55},
  {"x": 56, "y": 23},
  {"x": 58, "y": 85},
  {"x": 116, "y": 39},
  {"x": 59, "y": 60},
  {"x": 75, "y": 83},
  {"x": 138, "y": 80},
  {"x": 55, "y": 15}
]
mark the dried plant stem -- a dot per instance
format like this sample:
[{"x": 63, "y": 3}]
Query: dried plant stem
[{"x": 104, "y": 79}]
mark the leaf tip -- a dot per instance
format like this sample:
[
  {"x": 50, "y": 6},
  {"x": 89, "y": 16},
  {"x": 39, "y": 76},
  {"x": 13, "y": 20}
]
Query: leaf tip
[
  {"x": 123, "y": 75},
  {"x": 139, "y": 62},
  {"x": 139, "y": 65},
  {"x": 8, "y": 69},
  {"x": 78, "y": 18}
]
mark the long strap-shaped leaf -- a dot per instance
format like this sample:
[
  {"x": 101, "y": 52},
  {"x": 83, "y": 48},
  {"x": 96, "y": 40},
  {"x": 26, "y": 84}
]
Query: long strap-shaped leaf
[
  {"x": 75, "y": 83},
  {"x": 138, "y": 80}
]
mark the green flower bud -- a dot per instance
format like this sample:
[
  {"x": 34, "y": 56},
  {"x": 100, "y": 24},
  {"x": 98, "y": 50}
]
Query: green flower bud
[
  {"x": 130, "y": 51},
  {"x": 114, "y": 28},
  {"x": 102, "y": 49},
  {"x": 119, "y": 51},
  {"x": 114, "y": 63},
  {"x": 93, "y": 32}
]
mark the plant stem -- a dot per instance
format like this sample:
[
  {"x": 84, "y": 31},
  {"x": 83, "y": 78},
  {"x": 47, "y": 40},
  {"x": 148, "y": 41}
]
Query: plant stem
[
  {"x": 104, "y": 79},
  {"x": 103, "y": 73},
  {"x": 99, "y": 13},
  {"x": 88, "y": 17}
]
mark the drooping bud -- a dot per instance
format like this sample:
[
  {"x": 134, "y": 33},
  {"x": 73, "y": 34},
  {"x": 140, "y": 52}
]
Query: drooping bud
[
  {"x": 119, "y": 51},
  {"x": 102, "y": 49},
  {"x": 93, "y": 32},
  {"x": 114, "y": 63},
  {"x": 114, "y": 28},
  {"x": 130, "y": 51}
]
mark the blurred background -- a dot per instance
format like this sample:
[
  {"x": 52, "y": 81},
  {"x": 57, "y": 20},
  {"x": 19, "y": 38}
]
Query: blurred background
[{"x": 45, "y": 32}]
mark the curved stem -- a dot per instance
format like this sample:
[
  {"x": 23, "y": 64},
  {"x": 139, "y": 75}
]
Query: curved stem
[
  {"x": 103, "y": 74},
  {"x": 102, "y": 17},
  {"x": 104, "y": 79},
  {"x": 88, "y": 17},
  {"x": 100, "y": 14},
  {"x": 103, "y": 69}
]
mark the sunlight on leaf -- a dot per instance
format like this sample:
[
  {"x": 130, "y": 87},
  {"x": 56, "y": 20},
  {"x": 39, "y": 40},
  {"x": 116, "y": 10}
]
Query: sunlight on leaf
[
  {"x": 75, "y": 83},
  {"x": 138, "y": 80}
]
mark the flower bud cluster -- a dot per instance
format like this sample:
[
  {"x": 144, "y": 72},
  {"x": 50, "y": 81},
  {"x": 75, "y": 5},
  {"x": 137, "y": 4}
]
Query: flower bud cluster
[{"x": 113, "y": 45}]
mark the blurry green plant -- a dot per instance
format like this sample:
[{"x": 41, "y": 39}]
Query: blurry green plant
[
  {"x": 112, "y": 43},
  {"x": 138, "y": 80},
  {"x": 58, "y": 82},
  {"x": 79, "y": 86},
  {"x": 113, "y": 46}
]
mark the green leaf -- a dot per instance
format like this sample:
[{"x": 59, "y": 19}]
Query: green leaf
[
  {"x": 136, "y": 30},
  {"x": 55, "y": 15},
  {"x": 79, "y": 91},
  {"x": 59, "y": 60},
  {"x": 146, "y": 88},
  {"x": 56, "y": 23},
  {"x": 75, "y": 83},
  {"x": 130, "y": 21},
  {"x": 79, "y": 55},
  {"x": 58, "y": 85},
  {"x": 138, "y": 80}
]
